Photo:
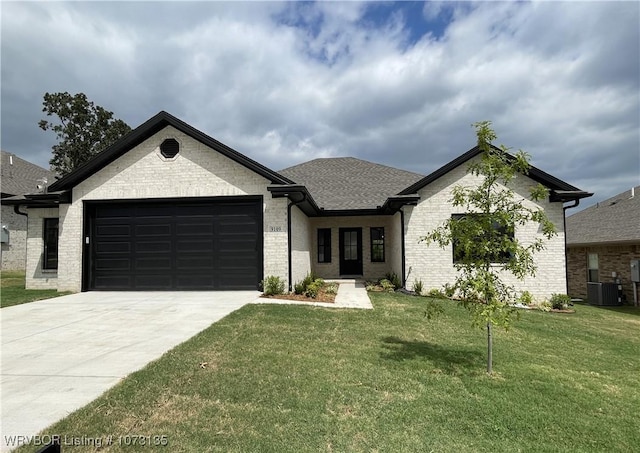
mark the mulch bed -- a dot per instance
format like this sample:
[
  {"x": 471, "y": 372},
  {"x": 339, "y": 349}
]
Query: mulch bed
[{"x": 322, "y": 297}]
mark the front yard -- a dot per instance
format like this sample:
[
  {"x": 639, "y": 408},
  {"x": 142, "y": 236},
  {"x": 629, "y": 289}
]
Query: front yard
[{"x": 295, "y": 378}]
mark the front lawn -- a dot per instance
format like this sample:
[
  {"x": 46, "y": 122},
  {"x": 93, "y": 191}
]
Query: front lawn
[
  {"x": 12, "y": 290},
  {"x": 274, "y": 378}
]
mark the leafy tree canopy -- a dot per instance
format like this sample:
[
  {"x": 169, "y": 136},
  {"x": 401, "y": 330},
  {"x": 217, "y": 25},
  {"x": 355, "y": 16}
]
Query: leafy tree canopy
[
  {"x": 484, "y": 243},
  {"x": 83, "y": 129}
]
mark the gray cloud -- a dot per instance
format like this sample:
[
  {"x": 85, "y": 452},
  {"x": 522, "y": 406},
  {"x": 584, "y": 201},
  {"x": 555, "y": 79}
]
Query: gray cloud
[{"x": 288, "y": 82}]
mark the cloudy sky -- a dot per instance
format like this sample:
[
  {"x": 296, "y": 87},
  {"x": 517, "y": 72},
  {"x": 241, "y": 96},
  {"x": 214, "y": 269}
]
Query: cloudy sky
[{"x": 393, "y": 83}]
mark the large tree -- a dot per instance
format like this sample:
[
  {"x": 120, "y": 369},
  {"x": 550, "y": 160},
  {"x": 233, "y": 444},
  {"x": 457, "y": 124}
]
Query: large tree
[
  {"x": 83, "y": 129},
  {"x": 484, "y": 240}
]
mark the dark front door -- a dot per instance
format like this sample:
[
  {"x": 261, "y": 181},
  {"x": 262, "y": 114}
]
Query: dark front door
[
  {"x": 174, "y": 245},
  {"x": 350, "y": 251}
]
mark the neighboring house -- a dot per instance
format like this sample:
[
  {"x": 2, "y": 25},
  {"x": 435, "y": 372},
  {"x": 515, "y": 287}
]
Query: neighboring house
[
  {"x": 603, "y": 239},
  {"x": 18, "y": 177},
  {"x": 168, "y": 207}
]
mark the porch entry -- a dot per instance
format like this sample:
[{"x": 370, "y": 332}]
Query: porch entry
[{"x": 350, "y": 251}]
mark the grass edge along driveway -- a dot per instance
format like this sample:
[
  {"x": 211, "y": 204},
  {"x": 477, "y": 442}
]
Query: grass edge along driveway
[
  {"x": 296, "y": 378},
  {"x": 13, "y": 292}
]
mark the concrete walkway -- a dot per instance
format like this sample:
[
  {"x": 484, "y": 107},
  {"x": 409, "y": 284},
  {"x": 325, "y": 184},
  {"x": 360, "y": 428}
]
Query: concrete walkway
[
  {"x": 351, "y": 294},
  {"x": 60, "y": 354}
]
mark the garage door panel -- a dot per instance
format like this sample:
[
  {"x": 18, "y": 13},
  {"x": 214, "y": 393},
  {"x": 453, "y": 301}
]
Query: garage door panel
[
  {"x": 191, "y": 245},
  {"x": 113, "y": 264},
  {"x": 155, "y": 263},
  {"x": 152, "y": 282},
  {"x": 116, "y": 246},
  {"x": 153, "y": 230},
  {"x": 142, "y": 246},
  {"x": 196, "y": 263},
  {"x": 115, "y": 230},
  {"x": 176, "y": 245},
  {"x": 197, "y": 282},
  {"x": 113, "y": 282}
]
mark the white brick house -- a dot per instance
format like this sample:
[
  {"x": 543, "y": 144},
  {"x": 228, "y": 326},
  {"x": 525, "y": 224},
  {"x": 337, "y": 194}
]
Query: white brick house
[{"x": 168, "y": 207}]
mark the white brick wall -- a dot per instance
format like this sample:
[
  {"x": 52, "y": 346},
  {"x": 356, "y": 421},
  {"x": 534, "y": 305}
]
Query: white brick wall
[
  {"x": 142, "y": 173},
  {"x": 14, "y": 253},
  {"x": 434, "y": 266},
  {"x": 36, "y": 278},
  {"x": 300, "y": 245}
]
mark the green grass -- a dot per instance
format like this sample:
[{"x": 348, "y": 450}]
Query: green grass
[
  {"x": 293, "y": 379},
  {"x": 12, "y": 290}
]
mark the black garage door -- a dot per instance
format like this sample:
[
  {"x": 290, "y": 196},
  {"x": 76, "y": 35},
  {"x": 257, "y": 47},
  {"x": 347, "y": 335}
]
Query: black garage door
[{"x": 174, "y": 245}]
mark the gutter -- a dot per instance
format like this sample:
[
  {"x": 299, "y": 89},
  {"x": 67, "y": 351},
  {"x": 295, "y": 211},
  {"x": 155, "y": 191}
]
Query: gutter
[{"x": 575, "y": 204}]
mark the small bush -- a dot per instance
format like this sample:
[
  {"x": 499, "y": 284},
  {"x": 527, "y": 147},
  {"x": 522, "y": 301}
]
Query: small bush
[
  {"x": 273, "y": 285},
  {"x": 417, "y": 286},
  {"x": 525, "y": 298},
  {"x": 313, "y": 288},
  {"x": 299, "y": 288},
  {"x": 436, "y": 293},
  {"x": 308, "y": 279},
  {"x": 331, "y": 288},
  {"x": 394, "y": 279},
  {"x": 560, "y": 301},
  {"x": 387, "y": 285},
  {"x": 544, "y": 306}
]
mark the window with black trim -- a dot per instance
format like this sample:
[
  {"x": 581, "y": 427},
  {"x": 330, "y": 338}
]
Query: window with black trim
[
  {"x": 501, "y": 233},
  {"x": 377, "y": 244},
  {"x": 324, "y": 245},
  {"x": 50, "y": 237}
]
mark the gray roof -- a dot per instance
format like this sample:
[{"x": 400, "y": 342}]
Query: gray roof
[
  {"x": 616, "y": 220},
  {"x": 20, "y": 177},
  {"x": 340, "y": 183}
]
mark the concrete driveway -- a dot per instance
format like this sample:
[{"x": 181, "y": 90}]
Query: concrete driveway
[{"x": 60, "y": 354}]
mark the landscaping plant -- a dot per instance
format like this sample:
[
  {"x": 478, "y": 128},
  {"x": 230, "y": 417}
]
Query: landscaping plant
[{"x": 485, "y": 246}]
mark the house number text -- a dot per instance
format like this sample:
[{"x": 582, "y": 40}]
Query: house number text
[{"x": 275, "y": 229}]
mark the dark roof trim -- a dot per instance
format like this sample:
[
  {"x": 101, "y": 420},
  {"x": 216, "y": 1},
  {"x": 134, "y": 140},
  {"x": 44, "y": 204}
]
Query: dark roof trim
[
  {"x": 393, "y": 204},
  {"x": 299, "y": 194},
  {"x": 148, "y": 129},
  {"x": 40, "y": 200},
  {"x": 560, "y": 190},
  {"x": 569, "y": 195}
]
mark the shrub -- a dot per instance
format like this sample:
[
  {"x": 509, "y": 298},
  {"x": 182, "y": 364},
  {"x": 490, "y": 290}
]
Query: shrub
[
  {"x": 387, "y": 285},
  {"x": 417, "y": 286},
  {"x": 273, "y": 285},
  {"x": 525, "y": 298},
  {"x": 331, "y": 288},
  {"x": 313, "y": 288},
  {"x": 436, "y": 293},
  {"x": 371, "y": 286},
  {"x": 394, "y": 279},
  {"x": 560, "y": 301},
  {"x": 299, "y": 288},
  {"x": 544, "y": 306}
]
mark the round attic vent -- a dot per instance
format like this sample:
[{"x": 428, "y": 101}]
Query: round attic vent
[{"x": 169, "y": 148}]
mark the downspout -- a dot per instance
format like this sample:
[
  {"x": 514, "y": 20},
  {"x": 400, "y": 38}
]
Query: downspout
[
  {"x": 289, "y": 241},
  {"x": 576, "y": 202},
  {"x": 402, "y": 247},
  {"x": 16, "y": 209}
]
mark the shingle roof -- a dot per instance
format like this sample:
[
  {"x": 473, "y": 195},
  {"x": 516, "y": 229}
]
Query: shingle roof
[
  {"x": 20, "y": 177},
  {"x": 611, "y": 221},
  {"x": 340, "y": 183}
]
